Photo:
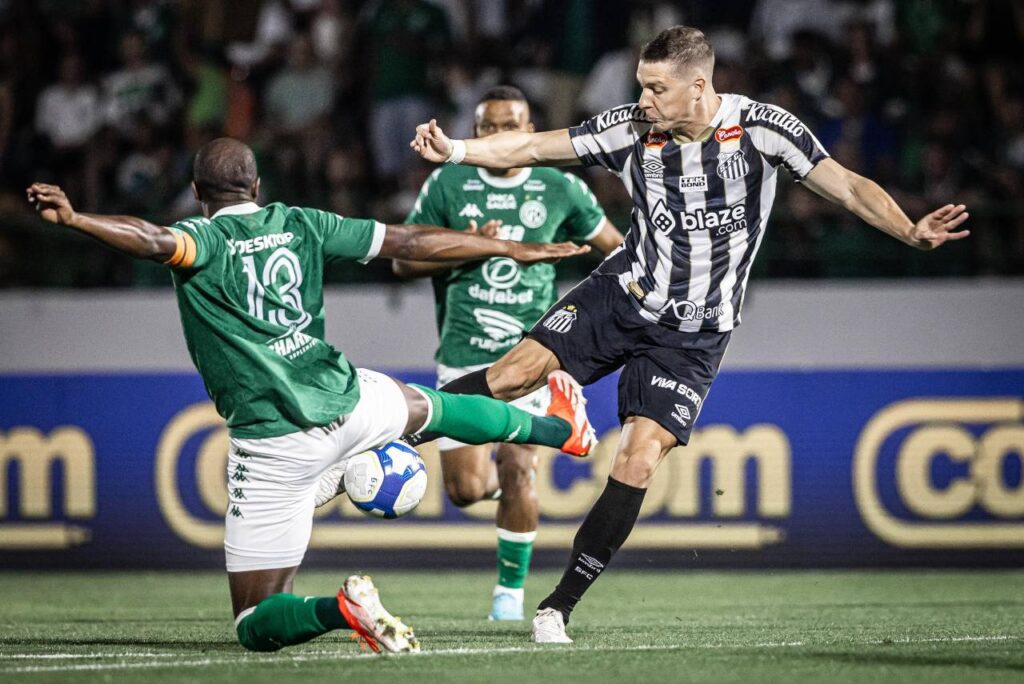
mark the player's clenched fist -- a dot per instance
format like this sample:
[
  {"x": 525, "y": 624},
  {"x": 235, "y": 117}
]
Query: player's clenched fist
[
  {"x": 431, "y": 143},
  {"x": 51, "y": 203},
  {"x": 533, "y": 252}
]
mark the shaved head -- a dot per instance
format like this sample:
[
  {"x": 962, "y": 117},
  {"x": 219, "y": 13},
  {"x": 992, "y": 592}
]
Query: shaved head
[{"x": 225, "y": 169}]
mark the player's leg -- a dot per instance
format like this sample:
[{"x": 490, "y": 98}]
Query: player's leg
[
  {"x": 517, "y": 519},
  {"x": 272, "y": 484},
  {"x": 470, "y": 474}
]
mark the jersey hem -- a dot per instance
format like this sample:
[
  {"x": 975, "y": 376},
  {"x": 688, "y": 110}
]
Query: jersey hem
[{"x": 376, "y": 243}]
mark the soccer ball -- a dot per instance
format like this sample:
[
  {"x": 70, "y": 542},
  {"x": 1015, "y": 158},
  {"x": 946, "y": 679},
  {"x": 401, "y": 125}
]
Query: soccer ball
[{"x": 386, "y": 482}]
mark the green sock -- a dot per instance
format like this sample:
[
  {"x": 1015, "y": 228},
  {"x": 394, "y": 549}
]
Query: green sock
[
  {"x": 286, "y": 619},
  {"x": 514, "y": 552},
  {"x": 480, "y": 420}
]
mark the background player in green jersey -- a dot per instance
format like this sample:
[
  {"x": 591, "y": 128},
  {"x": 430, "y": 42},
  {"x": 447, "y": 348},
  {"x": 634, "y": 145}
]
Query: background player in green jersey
[
  {"x": 249, "y": 285},
  {"x": 483, "y": 307}
]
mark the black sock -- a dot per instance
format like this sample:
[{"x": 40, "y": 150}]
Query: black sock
[
  {"x": 471, "y": 383},
  {"x": 328, "y": 613},
  {"x": 602, "y": 533}
]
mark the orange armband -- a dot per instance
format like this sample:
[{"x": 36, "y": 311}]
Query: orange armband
[{"x": 184, "y": 251}]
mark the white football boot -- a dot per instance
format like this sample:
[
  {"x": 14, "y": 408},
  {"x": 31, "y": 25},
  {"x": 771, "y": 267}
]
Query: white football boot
[
  {"x": 361, "y": 606},
  {"x": 548, "y": 628},
  {"x": 332, "y": 483}
]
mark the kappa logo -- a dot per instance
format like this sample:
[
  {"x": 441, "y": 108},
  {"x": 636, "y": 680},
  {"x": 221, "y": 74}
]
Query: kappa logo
[
  {"x": 533, "y": 213},
  {"x": 732, "y": 165},
  {"x": 561, "y": 321},
  {"x": 682, "y": 413},
  {"x": 471, "y": 211},
  {"x": 653, "y": 169},
  {"x": 725, "y": 134},
  {"x": 655, "y": 139},
  {"x": 698, "y": 183}
]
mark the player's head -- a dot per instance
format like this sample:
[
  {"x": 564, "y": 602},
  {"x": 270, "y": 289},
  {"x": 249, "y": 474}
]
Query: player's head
[
  {"x": 675, "y": 73},
  {"x": 225, "y": 171},
  {"x": 503, "y": 108}
]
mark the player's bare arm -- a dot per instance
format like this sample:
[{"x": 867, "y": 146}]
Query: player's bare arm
[
  {"x": 608, "y": 240},
  {"x": 129, "y": 235},
  {"x": 419, "y": 269},
  {"x": 875, "y": 206},
  {"x": 507, "y": 150},
  {"x": 428, "y": 243}
]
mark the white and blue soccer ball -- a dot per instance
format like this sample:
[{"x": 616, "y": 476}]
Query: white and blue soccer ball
[{"x": 386, "y": 482}]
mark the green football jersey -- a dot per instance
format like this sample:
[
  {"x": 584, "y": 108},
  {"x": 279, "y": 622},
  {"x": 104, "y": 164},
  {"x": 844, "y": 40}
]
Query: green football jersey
[
  {"x": 483, "y": 307},
  {"x": 252, "y": 309}
]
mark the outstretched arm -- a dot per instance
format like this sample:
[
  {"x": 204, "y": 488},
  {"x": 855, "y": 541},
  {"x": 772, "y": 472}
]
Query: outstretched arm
[
  {"x": 507, "y": 150},
  {"x": 428, "y": 243},
  {"x": 876, "y": 207},
  {"x": 127, "y": 234},
  {"x": 418, "y": 269}
]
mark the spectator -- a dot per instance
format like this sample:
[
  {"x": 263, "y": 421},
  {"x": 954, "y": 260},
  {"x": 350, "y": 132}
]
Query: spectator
[{"x": 139, "y": 87}]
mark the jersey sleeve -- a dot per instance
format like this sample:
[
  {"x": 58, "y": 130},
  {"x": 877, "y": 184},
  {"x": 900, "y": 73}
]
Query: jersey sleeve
[
  {"x": 607, "y": 139},
  {"x": 350, "y": 239},
  {"x": 196, "y": 242},
  {"x": 429, "y": 206},
  {"x": 586, "y": 217},
  {"x": 782, "y": 138}
]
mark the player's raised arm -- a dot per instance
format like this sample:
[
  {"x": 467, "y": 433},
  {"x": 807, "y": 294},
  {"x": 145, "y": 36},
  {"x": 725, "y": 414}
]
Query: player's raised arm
[
  {"x": 507, "y": 150},
  {"x": 875, "y": 206},
  {"x": 129, "y": 235},
  {"x": 428, "y": 243}
]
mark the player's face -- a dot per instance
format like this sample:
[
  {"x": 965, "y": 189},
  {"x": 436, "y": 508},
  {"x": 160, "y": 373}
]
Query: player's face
[
  {"x": 670, "y": 96},
  {"x": 497, "y": 116}
]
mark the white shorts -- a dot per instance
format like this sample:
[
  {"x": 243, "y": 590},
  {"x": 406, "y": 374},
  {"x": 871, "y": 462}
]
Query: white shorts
[
  {"x": 535, "y": 402},
  {"x": 272, "y": 482}
]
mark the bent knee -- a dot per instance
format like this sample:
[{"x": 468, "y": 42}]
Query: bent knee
[{"x": 465, "y": 490}]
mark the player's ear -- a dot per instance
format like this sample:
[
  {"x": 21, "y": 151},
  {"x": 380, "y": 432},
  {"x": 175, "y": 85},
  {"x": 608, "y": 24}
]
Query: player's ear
[
  {"x": 195, "y": 193},
  {"x": 698, "y": 86},
  {"x": 255, "y": 190}
]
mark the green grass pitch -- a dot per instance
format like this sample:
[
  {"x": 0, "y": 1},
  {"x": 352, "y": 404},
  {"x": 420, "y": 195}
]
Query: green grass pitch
[{"x": 633, "y": 627}]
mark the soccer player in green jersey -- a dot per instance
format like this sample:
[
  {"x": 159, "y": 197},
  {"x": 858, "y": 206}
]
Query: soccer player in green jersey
[
  {"x": 483, "y": 308},
  {"x": 249, "y": 286}
]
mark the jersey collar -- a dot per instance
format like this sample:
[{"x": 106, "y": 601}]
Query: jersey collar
[
  {"x": 237, "y": 209},
  {"x": 504, "y": 181}
]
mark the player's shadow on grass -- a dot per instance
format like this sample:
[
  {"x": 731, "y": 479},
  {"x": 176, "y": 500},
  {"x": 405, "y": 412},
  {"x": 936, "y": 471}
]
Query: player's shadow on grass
[{"x": 985, "y": 661}]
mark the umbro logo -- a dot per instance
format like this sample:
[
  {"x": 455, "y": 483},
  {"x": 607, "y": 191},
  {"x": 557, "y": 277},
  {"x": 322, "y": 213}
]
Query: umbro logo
[
  {"x": 591, "y": 562},
  {"x": 653, "y": 169},
  {"x": 682, "y": 413},
  {"x": 471, "y": 211}
]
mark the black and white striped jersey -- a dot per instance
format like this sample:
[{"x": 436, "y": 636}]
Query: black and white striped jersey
[{"x": 699, "y": 208}]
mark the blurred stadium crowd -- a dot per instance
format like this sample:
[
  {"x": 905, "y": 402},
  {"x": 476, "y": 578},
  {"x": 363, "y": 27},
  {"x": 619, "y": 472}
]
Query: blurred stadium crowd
[{"x": 111, "y": 98}]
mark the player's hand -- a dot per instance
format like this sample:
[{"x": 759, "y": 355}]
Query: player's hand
[
  {"x": 939, "y": 227},
  {"x": 489, "y": 229},
  {"x": 51, "y": 203},
  {"x": 546, "y": 252},
  {"x": 431, "y": 143}
]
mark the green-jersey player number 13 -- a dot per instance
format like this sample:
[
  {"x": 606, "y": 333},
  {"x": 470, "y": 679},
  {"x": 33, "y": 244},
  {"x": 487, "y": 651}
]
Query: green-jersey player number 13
[{"x": 284, "y": 265}]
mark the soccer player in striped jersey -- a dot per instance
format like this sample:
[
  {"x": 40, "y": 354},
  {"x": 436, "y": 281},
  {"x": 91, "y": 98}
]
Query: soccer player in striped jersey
[
  {"x": 249, "y": 284},
  {"x": 483, "y": 307},
  {"x": 701, "y": 168}
]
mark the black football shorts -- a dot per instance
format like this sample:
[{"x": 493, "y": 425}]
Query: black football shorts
[{"x": 595, "y": 329}]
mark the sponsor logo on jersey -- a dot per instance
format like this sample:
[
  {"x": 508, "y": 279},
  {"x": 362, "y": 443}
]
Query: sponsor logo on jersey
[
  {"x": 501, "y": 272},
  {"x": 732, "y": 165},
  {"x": 731, "y": 133},
  {"x": 682, "y": 414},
  {"x": 685, "y": 310},
  {"x": 726, "y": 220},
  {"x": 497, "y": 325},
  {"x": 561, "y": 321},
  {"x": 679, "y": 388},
  {"x": 655, "y": 139},
  {"x": 259, "y": 243},
  {"x": 533, "y": 213},
  {"x": 613, "y": 117},
  {"x": 471, "y": 211},
  {"x": 661, "y": 217},
  {"x": 653, "y": 169},
  {"x": 491, "y": 295},
  {"x": 292, "y": 344},
  {"x": 472, "y": 184},
  {"x": 697, "y": 183},
  {"x": 534, "y": 185},
  {"x": 774, "y": 115},
  {"x": 501, "y": 200}
]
